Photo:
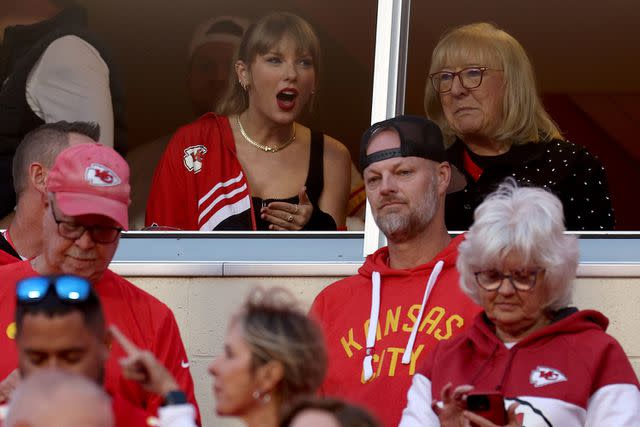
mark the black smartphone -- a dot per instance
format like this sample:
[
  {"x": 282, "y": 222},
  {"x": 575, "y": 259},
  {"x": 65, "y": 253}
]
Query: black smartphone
[{"x": 489, "y": 406}]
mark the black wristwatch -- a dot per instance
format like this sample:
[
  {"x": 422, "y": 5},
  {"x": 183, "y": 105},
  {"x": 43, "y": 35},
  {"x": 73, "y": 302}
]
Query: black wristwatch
[{"x": 175, "y": 397}]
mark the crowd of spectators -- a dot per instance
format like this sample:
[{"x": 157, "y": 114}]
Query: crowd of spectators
[{"x": 428, "y": 321}]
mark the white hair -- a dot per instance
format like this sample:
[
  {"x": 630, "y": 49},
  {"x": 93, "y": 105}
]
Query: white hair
[
  {"x": 528, "y": 223},
  {"x": 54, "y": 398}
]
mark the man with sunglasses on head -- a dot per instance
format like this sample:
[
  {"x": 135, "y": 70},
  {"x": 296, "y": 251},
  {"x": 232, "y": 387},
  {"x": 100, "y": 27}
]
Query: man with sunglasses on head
[
  {"x": 87, "y": 195},
  {"x": 60, "y": 325}
]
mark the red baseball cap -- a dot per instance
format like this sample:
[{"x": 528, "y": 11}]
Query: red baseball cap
[{"x": 91, "y": 179}]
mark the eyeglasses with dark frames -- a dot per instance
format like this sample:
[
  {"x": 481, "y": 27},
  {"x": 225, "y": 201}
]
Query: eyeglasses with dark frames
[
  {"x": 522, "y": 280},
  {"x": 470, "y": 78},
  {"x": 72, "y": 231}
]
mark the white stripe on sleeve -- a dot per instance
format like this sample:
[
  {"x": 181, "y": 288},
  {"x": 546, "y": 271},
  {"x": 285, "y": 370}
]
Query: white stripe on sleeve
[
  {"x": 418, "y": 412},
  {"x": 614, "y": 405}
]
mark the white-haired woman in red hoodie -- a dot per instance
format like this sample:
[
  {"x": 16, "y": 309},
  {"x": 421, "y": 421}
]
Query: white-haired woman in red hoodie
[{"x": 553, "y": 365}]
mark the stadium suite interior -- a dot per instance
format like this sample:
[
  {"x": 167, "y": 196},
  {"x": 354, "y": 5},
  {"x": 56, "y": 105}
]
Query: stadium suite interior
[{"x": 584, "y": 54}]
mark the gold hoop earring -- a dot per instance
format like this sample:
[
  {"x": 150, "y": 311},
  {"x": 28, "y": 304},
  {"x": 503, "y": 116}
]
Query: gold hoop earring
[{"x": 262, "y": 397}]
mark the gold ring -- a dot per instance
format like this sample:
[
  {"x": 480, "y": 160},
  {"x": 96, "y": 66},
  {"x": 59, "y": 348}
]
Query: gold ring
[{"x": 290, "y": 218}]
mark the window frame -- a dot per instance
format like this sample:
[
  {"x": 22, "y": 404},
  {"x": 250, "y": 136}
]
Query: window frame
[{"x": 334, "y": 254}]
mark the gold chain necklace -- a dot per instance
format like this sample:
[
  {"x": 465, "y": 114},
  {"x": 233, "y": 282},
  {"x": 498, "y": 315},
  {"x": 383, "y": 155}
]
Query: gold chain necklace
[{"x": 267, "y": 148}]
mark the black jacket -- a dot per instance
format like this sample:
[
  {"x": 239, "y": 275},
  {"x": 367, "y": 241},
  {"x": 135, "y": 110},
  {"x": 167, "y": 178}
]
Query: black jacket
[
  {"x": 22, "y": 48},
  {"x": 568, "y": 170}
]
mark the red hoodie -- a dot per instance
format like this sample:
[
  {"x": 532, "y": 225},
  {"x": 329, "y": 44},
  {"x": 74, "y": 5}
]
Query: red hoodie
[
  {"x": 569, "y": 373},
  {"x": 345, "y": 307}
]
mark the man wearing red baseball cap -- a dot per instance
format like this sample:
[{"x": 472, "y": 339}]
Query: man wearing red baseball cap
[{"x": 85, "y": 211}]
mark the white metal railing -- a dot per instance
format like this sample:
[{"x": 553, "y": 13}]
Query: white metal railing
[{"x": 389, "y": 80}]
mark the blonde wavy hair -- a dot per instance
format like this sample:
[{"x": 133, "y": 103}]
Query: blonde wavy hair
[
  {"x": 524, "y": 118},
  {"x": 277, "y": 329}
]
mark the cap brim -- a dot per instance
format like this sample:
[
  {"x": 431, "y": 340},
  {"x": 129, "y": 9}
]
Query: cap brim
[
  {"x": 74, "y": 204},
  {"x": 458, "y": 181}
]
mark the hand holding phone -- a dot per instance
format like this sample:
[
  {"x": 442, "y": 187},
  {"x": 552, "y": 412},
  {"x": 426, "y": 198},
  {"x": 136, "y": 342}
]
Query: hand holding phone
[{"x": 489, "y": 406}]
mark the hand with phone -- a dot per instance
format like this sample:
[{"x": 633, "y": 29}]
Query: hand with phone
[
  {"x": 476, "y": 420},
  {"x": 484, "y": 410},
  {"x": 451, "y": 407}
]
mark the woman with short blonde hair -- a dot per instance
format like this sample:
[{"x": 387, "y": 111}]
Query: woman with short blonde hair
[{"x": 481, "y": 91}]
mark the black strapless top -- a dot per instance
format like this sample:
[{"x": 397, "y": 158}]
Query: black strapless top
[{"x": 314, "y": 184}]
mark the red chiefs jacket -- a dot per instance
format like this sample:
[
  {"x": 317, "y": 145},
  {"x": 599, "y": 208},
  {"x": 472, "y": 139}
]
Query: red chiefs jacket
[{"x": 199, "y": 183}]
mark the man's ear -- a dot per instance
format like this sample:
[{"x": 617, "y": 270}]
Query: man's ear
[
  {"x": 38, "y": 176},
  {"x": 269, "y": 375},
  {"x": 443, "y": 172}
]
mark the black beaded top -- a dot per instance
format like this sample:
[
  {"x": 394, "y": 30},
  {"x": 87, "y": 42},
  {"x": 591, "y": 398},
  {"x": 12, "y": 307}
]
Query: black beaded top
[{"x": 568, "y": 170}]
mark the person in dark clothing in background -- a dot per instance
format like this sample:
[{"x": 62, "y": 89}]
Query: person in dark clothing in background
[
  {"x": 52, "y": 69},
  {"x": 34, "y": 157}
]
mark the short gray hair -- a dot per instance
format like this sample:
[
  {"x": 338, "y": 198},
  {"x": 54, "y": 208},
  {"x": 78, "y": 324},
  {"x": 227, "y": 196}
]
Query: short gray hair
[
  {"x": 43, "y": 144},
  {"x": 527, "y": 222}
]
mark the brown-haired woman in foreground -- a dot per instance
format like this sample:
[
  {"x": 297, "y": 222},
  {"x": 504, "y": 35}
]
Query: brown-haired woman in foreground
[
  {"x": 273, "y": 353},
  {"x": 253, "y": 167},
  {"x": 317, "y": 412},
  {"x": 482, "y": 93}
]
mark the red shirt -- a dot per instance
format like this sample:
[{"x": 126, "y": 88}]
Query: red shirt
[
  {"x": 6, "y": 258},
  {"x": 128, "y": 415},
  {"x": 147, "y": 322}
]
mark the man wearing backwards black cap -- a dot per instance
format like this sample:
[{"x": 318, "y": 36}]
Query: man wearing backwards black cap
[
  {"x": 409, "y": 289},
  {"x": 85, "y": 209}
]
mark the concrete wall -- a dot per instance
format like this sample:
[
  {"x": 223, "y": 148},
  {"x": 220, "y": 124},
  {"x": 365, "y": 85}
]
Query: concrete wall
[{"x": 203, "y": 305}]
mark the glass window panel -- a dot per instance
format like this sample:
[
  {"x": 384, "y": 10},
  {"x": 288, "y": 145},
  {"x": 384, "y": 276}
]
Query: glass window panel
[
  {"x": 149, "y": 41},
  {"x": 584, "y": 69}
]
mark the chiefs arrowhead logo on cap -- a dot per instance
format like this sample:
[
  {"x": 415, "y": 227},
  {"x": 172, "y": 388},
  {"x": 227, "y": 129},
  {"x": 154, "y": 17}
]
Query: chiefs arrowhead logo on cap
[
  {"x": 101, "y": 176},
  {"x": 193, "y": 157},
  {"x": 542, "y": 376}
]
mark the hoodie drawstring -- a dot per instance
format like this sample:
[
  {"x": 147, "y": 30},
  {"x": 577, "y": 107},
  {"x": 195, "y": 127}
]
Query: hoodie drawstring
[
  {"x": 373, "y": 325},
  {"x": 406, "y": 357},
  {"x": 367, "y": 363}
]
